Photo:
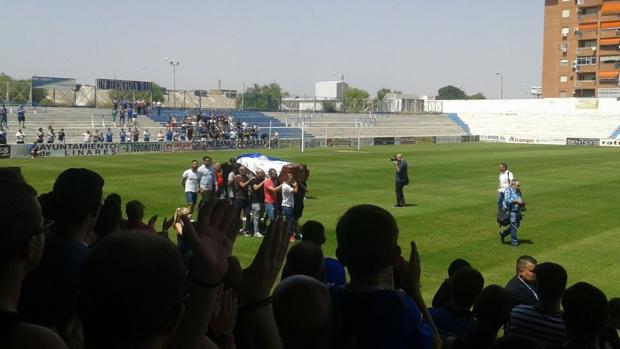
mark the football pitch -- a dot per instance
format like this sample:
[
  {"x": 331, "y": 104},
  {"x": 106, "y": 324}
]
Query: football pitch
[{"x": 572, "y": 196}]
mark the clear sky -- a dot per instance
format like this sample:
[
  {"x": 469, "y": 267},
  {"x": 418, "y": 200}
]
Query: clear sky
[{"x": 411, "y": 45}]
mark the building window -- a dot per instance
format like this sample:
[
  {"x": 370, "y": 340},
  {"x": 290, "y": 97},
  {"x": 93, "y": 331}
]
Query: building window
[
  {"x": 564, "y": 47},
  {"x": 586, "y": 60},
  {"x": 564, "y": 63},
  {"x": 565, "y": 31},
  {"x": 565, "y": 13},
  {"x": 563, "y": 94},
  {"x": 564, "y": 78}
]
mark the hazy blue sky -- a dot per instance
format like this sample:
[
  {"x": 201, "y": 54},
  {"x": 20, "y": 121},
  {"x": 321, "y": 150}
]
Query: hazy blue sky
[{"x": 411, "y": 45}]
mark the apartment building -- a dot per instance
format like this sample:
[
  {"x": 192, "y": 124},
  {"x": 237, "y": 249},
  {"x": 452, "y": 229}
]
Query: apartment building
[{"x": 581, "y": 54}]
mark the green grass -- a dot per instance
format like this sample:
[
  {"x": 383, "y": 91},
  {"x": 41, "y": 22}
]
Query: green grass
[{"x": 572, "y": 195}]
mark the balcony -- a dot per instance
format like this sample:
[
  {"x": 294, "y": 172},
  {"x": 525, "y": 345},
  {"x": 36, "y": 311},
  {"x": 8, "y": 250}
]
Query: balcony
[
  {"x": 586, "y": 34},
  {"x": 585, "y": 83},
  {"x": 610, "y": 33},
  {"x": 609, "y": 49},
  {"x": 586, "y": 68},
  {"x": 587, "y": 17},
  {"x": 589, "y": 3},
  {"x": 586, "y": 51}
]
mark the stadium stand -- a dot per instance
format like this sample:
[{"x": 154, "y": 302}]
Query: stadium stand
[
  {"x": 539, "y": 125},
  {"x": 74, "y": 121}
]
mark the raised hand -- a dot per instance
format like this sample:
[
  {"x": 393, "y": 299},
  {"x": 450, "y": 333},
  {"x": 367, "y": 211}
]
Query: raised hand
[
  {"x": 152, "y": 221},
  {"x": 259, "y": 277},
  {"x": 166, "y": 224},
  {"x": 212, "y": 240},
  {"x": 225, "y": 317}
]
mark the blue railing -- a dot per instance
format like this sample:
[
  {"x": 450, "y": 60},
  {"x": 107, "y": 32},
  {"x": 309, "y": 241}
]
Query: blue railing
[{"x": 459, "y": 122}]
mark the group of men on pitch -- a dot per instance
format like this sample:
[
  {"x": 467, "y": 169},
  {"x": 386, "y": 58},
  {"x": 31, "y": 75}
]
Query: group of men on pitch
[{"x": 258, "y": 197}]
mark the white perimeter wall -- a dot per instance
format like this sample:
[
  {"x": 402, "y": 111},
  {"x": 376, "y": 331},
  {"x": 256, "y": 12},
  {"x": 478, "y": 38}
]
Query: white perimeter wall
[{"x": 574, "y": 106}]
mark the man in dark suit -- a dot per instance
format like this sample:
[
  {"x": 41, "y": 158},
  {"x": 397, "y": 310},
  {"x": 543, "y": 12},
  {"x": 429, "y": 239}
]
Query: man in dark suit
[{"x": 522, "y": 287}]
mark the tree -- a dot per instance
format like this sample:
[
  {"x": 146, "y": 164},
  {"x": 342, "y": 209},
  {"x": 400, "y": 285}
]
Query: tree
[
  {"x": 157, "y": 93},
  {"x": 478, "y": 95},
  {"x": 265, "y": 97},
  {"x": 450, "y": 92},
  {"x": 355, "y": 99},
  {"x": 382, "y": 92}
]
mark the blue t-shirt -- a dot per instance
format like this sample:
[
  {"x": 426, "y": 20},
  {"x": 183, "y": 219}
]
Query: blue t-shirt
[
  {"x": 108, "y": 137},
  {"x": 21, "y": 113},
  {"x": 129, "y": 112},
  {"x": 334, "y": 273},
  {"x": 169, "y": 136},
  {"x": 452, "y": 322},
  {"x": 381, "y": 319},
  {"x": 122, "y": 136}
]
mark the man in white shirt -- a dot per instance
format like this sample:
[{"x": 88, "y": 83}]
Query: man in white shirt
[
  {"x": 505, "y": 180},
  {"x": 19, "y": 136},
  {"x": 87, "y": 137},
  {"x": 289, "y": 188},
  {"x": 191, "y": 178}
]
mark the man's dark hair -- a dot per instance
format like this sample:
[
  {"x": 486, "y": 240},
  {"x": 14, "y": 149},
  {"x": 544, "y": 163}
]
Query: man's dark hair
[
  {"x": 110, "y": 216},
  {"x": 305, "y": 258},
  {"x": 205, "y": 158},
  {"x": 504, "y": 164},
  {"x": 585, "y": 310},
  {"x": 134, "y": 210},
  {"x": 130, "y": 286},
  {"x": 76, "y": 195},
  {"x": 551, "y": 281},
  {"x": 367, "y": 239},
  {"x": 465, "y": 286},
  {"x": 456, "y": 265},
  {"x": 493, "y": 307},
  {"x": 523, "y": 260},
  {"x": 232, "y": 161},
  {"x": 12, "y": 173},
  {"x": 15, "y": 210},
  {"x": 313, "y": 231}
]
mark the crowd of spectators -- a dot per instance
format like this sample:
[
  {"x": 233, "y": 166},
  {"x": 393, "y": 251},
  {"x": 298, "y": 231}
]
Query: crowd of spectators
[
  {"x": 212, "y": 126},
  {"x": 75, "y": 274}
]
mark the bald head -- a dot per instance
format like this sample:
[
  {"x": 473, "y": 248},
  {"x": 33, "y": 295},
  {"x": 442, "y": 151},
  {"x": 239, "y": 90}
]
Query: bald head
[
  {"x": 130, "y": 286},
  {"x": 302, "y": 308}
]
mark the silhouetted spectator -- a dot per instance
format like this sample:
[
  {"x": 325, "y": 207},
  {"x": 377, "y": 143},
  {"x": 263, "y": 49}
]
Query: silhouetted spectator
[
  {"x": 109, "y": 219},
  {"x": 135, "y": 216},
  {"x": 492, "y": 310},
  {"x": 303, "y": 312},
  {"x": 543, "y": 322},
  {"x": 335, "y": 275},
  {"x": 22, "y": 239},
  {"x": 304, "y": 258},
  {"x": 517, "y": 342},
  {"x": 609, "y": 337},
  {"x": 50, "y": 292},
  {"x": 585, "y": 315},
  {"x": 373, "y": 316},
  {"x": 455, "y": 319},
  {"x": 442, "y": 296}
]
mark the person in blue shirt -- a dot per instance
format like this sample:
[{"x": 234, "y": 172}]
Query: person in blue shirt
[
  {"x": 130, "y": 113},
  {"x": 4, "y": 117},
  {"x": 122, "y": 135},
  {"x": 513, "y": 203},
  {"x": 108, "y": 136},
  {"x": 169, "y": 135},
  {"x": 21, "y": 116},
  {"x": 373, "y": 315}
]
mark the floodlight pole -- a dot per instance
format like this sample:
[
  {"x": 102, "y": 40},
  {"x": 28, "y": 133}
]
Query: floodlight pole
[
  {"x": 501, "y": 81},
  {"x": 174, "y": 64}
]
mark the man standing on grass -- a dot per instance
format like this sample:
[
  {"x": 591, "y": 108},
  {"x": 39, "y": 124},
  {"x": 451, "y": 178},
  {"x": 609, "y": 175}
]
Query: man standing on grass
[
  {"x": 402, "y": 179},
  {"x": 191, "y": 178},
  {"x": 513, "y": 203},
  {"x": 505, "y": 179}
]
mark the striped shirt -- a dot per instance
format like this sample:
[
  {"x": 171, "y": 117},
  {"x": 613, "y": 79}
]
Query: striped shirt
[{"x": 526, "y": 320}]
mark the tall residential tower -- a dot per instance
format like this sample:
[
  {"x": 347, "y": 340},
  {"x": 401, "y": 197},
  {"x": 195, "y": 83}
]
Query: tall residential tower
[{"x": 581, "y": 55}]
